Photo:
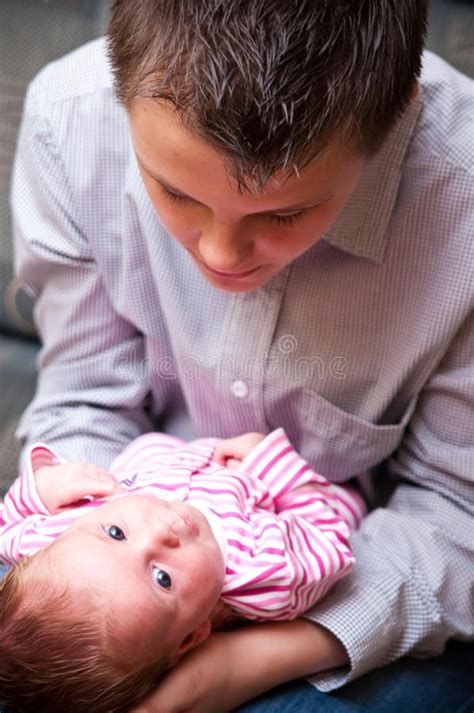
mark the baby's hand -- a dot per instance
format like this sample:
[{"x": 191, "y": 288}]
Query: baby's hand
[
  {"x": 60, "y": 486},
  {"x": 232, "y": 451}
]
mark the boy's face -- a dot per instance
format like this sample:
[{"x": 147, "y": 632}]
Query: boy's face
[
  {"x": 238, "y": 241},
  {"x": 156, "y": 566}
]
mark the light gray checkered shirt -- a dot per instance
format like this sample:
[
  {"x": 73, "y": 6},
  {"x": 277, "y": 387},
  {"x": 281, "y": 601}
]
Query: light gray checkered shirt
[{"x": 362, "y": 348}]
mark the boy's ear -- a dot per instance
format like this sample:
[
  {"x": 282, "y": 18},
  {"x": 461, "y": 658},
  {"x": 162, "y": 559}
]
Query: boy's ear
[
  {"x": 193, "y": 639},
  {"x": 415, "y": 91}
]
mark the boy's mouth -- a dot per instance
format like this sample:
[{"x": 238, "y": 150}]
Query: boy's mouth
[
  {"x": 232, "y": 275},
  {"x": 226, "y": 275}
]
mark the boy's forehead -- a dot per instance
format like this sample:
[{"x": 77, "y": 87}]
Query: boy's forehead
[{"x": 184, "y": 161}]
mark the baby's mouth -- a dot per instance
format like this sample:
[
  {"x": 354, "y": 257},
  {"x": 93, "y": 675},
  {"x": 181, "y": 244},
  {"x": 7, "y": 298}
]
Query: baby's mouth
[{"x": 189, "y": 521}]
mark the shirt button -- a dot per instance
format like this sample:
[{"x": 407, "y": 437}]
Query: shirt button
[{"x": 240, "y": 389}]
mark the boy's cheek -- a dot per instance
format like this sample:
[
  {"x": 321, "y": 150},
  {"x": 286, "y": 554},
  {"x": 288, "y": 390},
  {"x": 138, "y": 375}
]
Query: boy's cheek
[{"x": 181, "y": 227}]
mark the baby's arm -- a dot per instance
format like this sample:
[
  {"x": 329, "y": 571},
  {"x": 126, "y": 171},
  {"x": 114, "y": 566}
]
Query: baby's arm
[
  {"x": 22, "y": 499},
  {"x": 298, "y": 542},
  {"x": 66, "y": 484},
  {"x": 22, "y": 509},
  {"x": 45, "y": 486},
  {"x": 295, "y": 486},
  {"x": 283, "y": 563}
]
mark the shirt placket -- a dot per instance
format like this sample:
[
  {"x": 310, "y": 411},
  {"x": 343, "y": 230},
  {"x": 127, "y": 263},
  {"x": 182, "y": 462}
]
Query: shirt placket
[{"x": 243, "y": 357}]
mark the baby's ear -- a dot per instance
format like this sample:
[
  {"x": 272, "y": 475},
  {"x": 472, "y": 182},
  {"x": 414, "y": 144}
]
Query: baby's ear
[{"x": 193, "y": 639}]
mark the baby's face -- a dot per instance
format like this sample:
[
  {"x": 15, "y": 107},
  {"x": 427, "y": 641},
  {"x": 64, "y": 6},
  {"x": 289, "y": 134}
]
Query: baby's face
[{"x": 155, "y": 564}]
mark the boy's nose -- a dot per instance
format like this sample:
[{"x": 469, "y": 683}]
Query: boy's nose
[{"x": 225, "y": 249}]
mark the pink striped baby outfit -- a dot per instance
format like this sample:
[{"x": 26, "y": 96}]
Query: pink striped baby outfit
[{"x": 283, "y": 529}]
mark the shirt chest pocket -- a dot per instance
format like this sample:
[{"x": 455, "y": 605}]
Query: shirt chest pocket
[{"x": 340, "y": 445}]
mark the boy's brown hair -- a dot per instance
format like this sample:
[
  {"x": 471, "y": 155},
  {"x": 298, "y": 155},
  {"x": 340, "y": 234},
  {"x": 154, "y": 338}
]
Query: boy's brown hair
[
  {"x": 53, "y": 662},
  {"x": 270, "y": 82}
]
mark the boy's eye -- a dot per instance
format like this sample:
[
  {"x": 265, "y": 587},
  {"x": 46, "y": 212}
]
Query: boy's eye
[
  {"x": 174, "y": 197},
  {"x": 287, "y": 219},
  {"x": 281, "y": 219},
  {"x": 115, "y": 532},
  {"x": 162, "y": 578}
]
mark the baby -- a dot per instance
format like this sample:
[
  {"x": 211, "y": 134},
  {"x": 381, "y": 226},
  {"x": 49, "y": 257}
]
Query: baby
[{"x": 118, "y": 574}]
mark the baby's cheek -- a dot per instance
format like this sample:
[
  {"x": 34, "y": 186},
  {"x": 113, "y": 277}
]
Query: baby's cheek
[{"x": 203, "y": 565}]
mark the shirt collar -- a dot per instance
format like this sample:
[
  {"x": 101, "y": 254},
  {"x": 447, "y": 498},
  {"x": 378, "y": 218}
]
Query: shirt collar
[{"x": 361, "y": 227}]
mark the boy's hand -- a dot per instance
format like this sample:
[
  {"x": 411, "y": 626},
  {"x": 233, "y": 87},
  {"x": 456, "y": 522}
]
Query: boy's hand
[
  {"x": 60, "y": 486},
  {"x": 232, "y": 451}
]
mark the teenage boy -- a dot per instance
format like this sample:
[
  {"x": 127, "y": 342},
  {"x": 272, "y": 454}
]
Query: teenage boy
[{"x": 259, "y": 214}]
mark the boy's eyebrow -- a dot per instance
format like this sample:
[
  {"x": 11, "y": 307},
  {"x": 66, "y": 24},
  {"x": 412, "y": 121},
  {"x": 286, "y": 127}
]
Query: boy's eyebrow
[{"x": 284, "y": 209}]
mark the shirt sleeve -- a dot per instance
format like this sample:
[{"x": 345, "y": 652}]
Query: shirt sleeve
[
  {"x": 413, "y": 586},
  {"x": 89, "y": 401},
  {"x": 22, "y": 507},
  {"x": 298, "y": 549}
]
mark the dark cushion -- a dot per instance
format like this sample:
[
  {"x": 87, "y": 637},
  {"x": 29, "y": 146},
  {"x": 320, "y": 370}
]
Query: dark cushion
[{"x": 451, "y": 32}]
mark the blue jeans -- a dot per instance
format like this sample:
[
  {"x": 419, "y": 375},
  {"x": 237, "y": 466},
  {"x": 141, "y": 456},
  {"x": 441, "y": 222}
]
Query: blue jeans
[{"x": 441, "y": 685}]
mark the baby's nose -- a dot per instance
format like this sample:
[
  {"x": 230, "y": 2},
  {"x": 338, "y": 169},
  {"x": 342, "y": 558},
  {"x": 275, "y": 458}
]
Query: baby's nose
[{"x": 166, "y": 534}]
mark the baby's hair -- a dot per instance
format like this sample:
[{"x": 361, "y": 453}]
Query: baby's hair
[
  {"x": 55, "y": 657},
  {"x": 269, "y": 83}
]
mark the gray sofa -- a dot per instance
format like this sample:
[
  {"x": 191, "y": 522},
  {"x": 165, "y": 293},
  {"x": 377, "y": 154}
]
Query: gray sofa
[{"x": 33, "y": 32}]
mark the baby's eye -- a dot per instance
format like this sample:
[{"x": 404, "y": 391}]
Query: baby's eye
[
  {"x": 162, "y": 578},
  {"x": 115, "y": 532}
]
